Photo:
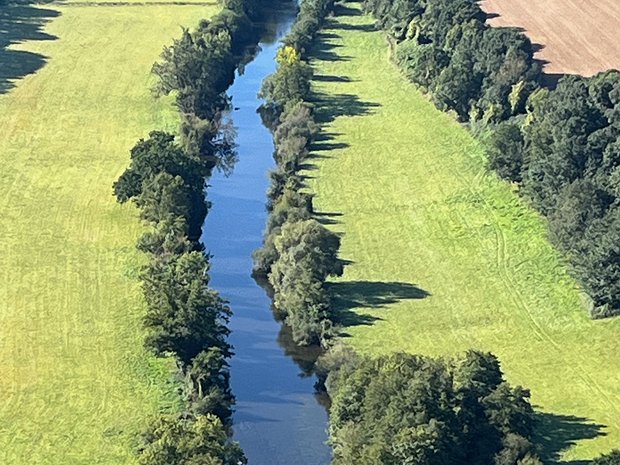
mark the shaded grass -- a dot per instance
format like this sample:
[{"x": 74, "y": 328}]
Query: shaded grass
[
  {"x": 415, "y": 206},
  {"x": 76, "y": 385}
]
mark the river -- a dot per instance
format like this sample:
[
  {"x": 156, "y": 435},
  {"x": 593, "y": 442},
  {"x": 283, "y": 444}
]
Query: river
[{"x": 278, "y": 420}]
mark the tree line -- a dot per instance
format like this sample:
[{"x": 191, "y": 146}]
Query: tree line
[
  {"x": 298, "y": 252},
  {"x": 396, "y": 409},
  {"x": 559, "y": 146},
  {"x": 166, "y": 178},
  {"x": 410, "y": 409}
]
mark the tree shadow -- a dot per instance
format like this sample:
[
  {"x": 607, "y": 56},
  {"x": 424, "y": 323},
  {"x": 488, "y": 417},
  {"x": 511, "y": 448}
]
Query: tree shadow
[
  {"x": 354, "y": 27},
  {"x": 326, "y": 146},
  {"x": 323, "y": 50},
  {"x": 332, "y": 106},
  {"x": 328, "y": 218},
  {"x": 21, "y": 22},
  {"x": 343, "y": 10},
  {"x": 327, "y": 78},
  {"x": 349, "y": 295},
  {"x": 556, "y": 433}
]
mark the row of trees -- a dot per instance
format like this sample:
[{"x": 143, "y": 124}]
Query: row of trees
[
  {"x": 409, "y": 409},
  {"x": 565, "y": 154},
  {"x": 445, "y": 47},
  {"x": 185, "y": 318},
  {"x": 298, "y": 253},
  {"x": 562, "y": 146}
]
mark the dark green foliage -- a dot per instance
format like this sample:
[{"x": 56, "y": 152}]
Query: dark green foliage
[
  {"x": 407, "y": 409},
  {"x": 158, "y": 154},
  {"x": 561, "y": 140},
  {"x": 306, "y": 255},
  {"x": 571, "y": 174},
  {"x": 169, "y": 237},
  {"x": 298, "y": 253},
  {"x": 613, "y": 458},
  {"x": 185, "y": 316},
  {"x": 164, "y": 196},
  {"x": 597, "y": 263},
  {"x": 173, "y": 440},
  {"x": 422, "y": 63},
  {"x": 504, "y": 149},
  {"x": 200, "y": 67},
  {"x": 445, "y": 47},
  {"x": 207, "y": 383},
  {"x": 162, "y": 172}
]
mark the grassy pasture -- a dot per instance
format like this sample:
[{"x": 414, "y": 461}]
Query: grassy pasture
[
  {"x": 75, "y": 383},
  {"x": 444, "y": 256}
]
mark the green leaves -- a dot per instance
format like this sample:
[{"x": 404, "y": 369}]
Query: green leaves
[
  {"x": 409, "y": 409},
  {"x": 173, "y": 440}
]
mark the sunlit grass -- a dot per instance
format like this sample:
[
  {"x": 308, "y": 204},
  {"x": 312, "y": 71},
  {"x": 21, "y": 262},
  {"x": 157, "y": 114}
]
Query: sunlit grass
[
  {"x": 76, "y": 385},
  {"x": 419, "y": 214}
]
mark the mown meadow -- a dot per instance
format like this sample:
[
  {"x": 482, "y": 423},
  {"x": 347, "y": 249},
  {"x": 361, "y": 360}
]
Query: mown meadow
[
  {"x": 442, "y": 255},
  {"x": 77, "y": 385}
]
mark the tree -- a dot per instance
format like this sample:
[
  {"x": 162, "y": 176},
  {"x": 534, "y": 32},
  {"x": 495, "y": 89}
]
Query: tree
[
  {"x": 409, "y": 409},
  {"x": 207, "y": 384},
  {"x": 505, "y": 147},
  {"x": 173, "y": 440},
  {"x": 306, "y": 255},
  {"x": 290, "y": 83},
  {"x": 184, "y": 315},
  {"x": 163, "y": 197},
  {"x": 158, "y": 154},
  {"x": 422, "y": 63}
]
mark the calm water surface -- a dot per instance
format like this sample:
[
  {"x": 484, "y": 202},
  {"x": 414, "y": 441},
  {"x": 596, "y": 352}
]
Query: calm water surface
[{"x": 278, "y": 420}]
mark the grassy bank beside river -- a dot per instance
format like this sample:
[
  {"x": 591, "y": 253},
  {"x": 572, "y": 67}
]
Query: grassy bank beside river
[
  {"x": 444, "y": 256},
  {"x": 77, "y": 385}
]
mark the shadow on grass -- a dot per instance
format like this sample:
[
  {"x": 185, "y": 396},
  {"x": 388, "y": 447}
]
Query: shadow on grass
[
  {"x": 332, "y": 106},
  {"x": 347, "y": 296},
  {"x": 328, "y": 218},
  {"x": 327, "y": 78},
  {"x": 557, "y": 433},
  {"x": 21, "y": 22}
]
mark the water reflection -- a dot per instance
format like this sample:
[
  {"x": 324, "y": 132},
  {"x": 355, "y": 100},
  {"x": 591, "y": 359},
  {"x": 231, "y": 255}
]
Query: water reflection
[{"x": 278, "y": 419}]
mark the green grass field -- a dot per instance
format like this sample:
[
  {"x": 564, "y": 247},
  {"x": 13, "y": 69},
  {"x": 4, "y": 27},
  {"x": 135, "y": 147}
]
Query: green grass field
[
  {"x": 445, "y": 257},
  {"x": 76, "y": 385}
]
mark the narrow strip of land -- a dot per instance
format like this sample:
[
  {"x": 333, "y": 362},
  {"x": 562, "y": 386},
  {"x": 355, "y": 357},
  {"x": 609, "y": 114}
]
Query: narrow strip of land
[
  {"x": 76, "y": 385},
  {"x": 444, "y": 256}
]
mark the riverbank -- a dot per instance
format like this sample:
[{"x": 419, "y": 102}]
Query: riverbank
[
  {"x": 277, "y": 418},
  {"x": 77, "y": 384},
  {"x": 445, "y": 257}
]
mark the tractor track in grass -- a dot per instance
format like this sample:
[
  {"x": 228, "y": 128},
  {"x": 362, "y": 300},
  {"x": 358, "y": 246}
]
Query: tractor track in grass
[{"x": 495, "y": 281}]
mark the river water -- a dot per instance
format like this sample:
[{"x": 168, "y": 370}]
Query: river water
[{"x": 278, "y": 420}]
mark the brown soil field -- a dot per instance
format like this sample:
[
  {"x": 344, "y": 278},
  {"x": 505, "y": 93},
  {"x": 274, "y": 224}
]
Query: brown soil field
[{"x": 573, "y": 36}]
